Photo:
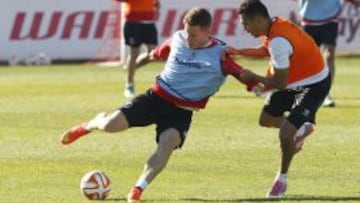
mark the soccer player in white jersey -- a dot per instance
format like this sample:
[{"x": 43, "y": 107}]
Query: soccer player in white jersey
[{"x": 194, "y": 71}]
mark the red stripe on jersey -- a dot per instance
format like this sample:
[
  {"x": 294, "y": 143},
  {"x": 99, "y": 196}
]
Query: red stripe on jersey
[{"x": 159, "y": 91}]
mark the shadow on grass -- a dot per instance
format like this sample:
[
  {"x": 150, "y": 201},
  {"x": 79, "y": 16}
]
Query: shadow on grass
[
  {"x": 236, "y": 96},
  {"x": 299, "y": 198},
  {"x": 295, "y": 198},
  {"x": 112, "y": 199}
]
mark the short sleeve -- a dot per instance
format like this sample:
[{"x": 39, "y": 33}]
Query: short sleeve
[{"x": 280, "y": 51}]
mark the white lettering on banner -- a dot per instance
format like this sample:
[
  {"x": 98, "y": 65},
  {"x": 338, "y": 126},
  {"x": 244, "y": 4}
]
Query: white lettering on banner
[
  {"x": 80, "y": 20},
  {"x": 349, "y": 23},
  {"x": 224, "y": 19},
  {"x": 349, "y": 28},
  {"x": 77, "y": 29}
]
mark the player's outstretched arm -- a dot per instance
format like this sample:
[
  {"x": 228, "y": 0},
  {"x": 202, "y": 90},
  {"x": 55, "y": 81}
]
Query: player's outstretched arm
[
  {"x": 257, "y": 52},
  {"x": 230, "y": 67},
  {"x": 276, "y": 81}
]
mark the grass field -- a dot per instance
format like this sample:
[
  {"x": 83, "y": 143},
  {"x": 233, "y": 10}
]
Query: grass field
[{"x": 226, "y": 158}]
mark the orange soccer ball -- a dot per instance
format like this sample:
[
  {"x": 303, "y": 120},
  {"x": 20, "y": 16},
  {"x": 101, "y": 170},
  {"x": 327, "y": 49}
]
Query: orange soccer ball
[{"x": 95, "y": 185}]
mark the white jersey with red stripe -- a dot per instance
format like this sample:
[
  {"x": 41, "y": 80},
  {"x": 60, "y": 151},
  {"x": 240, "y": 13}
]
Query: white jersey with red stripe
[{"x": 192, "y": 74}]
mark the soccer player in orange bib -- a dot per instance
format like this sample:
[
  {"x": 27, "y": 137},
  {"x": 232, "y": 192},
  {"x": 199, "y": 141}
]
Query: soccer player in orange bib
[
  {"x": 296, "y": 73},
  {"x": 139, "y": 29}
]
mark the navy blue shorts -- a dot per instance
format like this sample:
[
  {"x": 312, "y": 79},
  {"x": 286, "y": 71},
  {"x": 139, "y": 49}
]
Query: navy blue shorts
[
  {"x": 302, "y": 103},
  {"x": 323, "y": 34},
  {"x": 137, "y": 33},
  {"x": 148, "y": 108}
]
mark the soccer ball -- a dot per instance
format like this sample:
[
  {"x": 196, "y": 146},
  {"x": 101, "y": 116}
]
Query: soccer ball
[{"x": 95, "y": 185}]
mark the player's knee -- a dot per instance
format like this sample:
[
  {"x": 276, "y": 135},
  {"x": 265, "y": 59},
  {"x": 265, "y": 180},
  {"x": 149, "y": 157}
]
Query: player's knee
[
  {"x": 284, "y": 137},
  {"x": 264, "y": 122},
  {"x": 108, "y": 126},
  {"x": 287, "y": 132},
  {"x": 170, "y": 138}
]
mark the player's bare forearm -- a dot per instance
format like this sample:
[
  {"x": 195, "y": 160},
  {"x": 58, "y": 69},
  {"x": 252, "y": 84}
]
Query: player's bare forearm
[
  {"x": 230, "y": 67},
  {"x": 276, "y": 81}
]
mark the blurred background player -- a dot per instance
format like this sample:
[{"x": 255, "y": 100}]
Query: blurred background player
[
  {"x": 297, "y": 73},
  {"x": 194, "y": 71},
  {"x": 319, "y": 19},
  {"x": 139, "y": 29}
]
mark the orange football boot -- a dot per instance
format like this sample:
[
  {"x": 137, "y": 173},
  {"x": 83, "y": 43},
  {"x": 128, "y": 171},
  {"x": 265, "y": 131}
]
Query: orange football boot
[{"x": 73, "y": 134}]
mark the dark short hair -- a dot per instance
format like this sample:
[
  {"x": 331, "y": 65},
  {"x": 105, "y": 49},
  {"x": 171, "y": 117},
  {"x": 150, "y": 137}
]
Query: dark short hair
[
  {"x": 198, "y": 17},
  {"x": 252, "y": 8}
]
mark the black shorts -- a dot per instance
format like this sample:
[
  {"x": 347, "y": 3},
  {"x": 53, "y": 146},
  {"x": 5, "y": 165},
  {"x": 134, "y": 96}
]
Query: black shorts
[
  {"x": 137, "y": 33},
  {"x": 302, "y": 103},
  {"x": 323, "y": 34},
  {"x": 148, "y": 108}
]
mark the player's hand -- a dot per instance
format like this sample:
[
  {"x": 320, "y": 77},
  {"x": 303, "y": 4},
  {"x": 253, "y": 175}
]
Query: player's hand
[{"x": 258, "y": 90}]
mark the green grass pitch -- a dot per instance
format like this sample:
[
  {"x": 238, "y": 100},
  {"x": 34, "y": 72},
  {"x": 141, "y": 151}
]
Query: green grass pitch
[{"x": 227, "y": 157}]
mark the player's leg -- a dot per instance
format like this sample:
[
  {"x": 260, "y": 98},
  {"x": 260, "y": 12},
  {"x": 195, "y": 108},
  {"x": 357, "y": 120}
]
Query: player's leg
[
  {"x": 272, "y": 114},
  {"x": 132, "y": 34},
  {"x": 150, "y": 39},
  {"x": 169, "y": 140},
  {"x": 267, "y": 120},
  {"x": 288, "y": 150},
  {"x": 288, "y": 146},
  {"x": 329, "y": 33},
  {"x": 293, "y": 131},
  {"x": 329, "y": 53},
  {"x": 279, "y": 184},
  {"x": 172, "y": 126},
  {"x": 135, "y": 113},
  {"x": 130, "y": 68},
  {"x": 112, "y": 122}
]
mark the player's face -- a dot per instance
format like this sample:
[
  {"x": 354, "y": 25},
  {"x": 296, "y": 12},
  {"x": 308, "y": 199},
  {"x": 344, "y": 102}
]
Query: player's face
[
  {"x": 197, "y": 36},
  {"x": 251, "y": 25}
]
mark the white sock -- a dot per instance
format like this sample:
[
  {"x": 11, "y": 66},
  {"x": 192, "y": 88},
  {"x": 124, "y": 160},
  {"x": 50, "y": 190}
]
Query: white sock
[
  {"x": 141, "y": 183},
  {"x": 129, "y": 85},
  {"x": 97, "y": 123},
  {"x": 282, "y": 177}
]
